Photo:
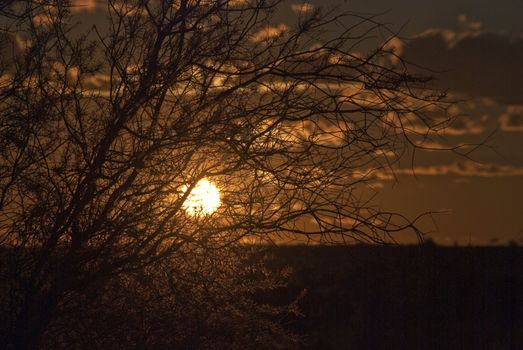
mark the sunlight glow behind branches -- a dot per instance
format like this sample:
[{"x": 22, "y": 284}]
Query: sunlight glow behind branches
[{"x": 204, "y": 199}]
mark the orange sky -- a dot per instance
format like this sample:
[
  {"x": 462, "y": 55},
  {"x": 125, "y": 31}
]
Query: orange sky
[{"x": 477, "y": 48}]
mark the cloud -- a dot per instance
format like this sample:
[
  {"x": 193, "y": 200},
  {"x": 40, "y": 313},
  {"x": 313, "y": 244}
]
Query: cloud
[
  {"x": 85, "y": 5},
  {"x": 438, "y": 123},
  {"x": 458, "y": 126},
  {"x": 465, "y": 125},
  {"x": 49, "y": 12},
  {"x": 97, "y": 81},
  {"x": 270, "y": 32},
  {"x": 302, "y": 8},
  {"x": 512, "y": 119},
  {"x": 469, "y": 60},
  {"x": 465, "y": 168}
]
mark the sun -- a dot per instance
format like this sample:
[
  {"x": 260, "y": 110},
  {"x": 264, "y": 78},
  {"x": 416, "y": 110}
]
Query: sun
[{"x": 204, "y": 199}]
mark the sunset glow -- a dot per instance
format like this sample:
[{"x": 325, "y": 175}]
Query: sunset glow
[{"x": 204, "y": 199}]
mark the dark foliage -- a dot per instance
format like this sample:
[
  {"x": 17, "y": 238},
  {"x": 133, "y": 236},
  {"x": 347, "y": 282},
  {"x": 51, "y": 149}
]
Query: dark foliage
[
  {"x": 427, "y": 297},
  {"x": 193, "y": 301}
]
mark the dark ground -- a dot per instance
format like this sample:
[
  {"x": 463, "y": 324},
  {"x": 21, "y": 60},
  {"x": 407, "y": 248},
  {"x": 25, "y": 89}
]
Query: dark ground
[
  {"x": 399, "y": 297},
  {"x": 427, "y": 297}
]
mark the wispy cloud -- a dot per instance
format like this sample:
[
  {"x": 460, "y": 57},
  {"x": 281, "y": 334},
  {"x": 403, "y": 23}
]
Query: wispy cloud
[
  {"x": 465, "y": 168},
  {"x": 302, "y": 8},
  {"x": 270, "y": 32},
  {"x": 466, "y": 125},
  {"x": 512, "y": 119},
  {"x": 85, "y": 5}
]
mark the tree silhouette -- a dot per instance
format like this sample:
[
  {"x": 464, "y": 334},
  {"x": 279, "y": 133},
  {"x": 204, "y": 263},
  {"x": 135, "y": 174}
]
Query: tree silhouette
[{"x": 105, "y": 133}]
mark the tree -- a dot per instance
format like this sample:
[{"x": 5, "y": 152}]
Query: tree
[
  {"x": 220, "y": 300},
  {"x": 106, "y": 133}
]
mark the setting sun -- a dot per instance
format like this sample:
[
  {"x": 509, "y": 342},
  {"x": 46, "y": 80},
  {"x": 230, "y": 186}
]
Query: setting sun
[{"x": 204, "y": 199}]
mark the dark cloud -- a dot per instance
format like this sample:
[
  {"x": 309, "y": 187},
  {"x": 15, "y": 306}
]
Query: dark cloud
[{"x": 470, "y": 60}]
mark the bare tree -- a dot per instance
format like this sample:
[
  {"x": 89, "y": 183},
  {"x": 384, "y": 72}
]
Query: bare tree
[{"x": 105, "y": 134}]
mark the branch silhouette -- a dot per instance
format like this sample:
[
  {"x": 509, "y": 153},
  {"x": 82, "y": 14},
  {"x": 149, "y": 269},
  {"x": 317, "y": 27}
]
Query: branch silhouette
[{"x": 105, "y": 132}]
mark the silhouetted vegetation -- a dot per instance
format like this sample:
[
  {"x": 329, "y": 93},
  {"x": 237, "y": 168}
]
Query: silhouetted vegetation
[
  {"x": 360, "y": 297},
  {"x": 193, "y": 301},
  {"x": 428, "y": 297},
  {"x": 105, "y": 132}
]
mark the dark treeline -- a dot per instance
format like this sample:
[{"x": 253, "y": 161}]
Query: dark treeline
[
  {"x": 427, "y": 297},
  {"x": 310, "y": 297}
]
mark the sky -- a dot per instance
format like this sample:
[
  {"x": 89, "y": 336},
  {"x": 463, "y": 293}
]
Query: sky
[{"x": 475, "y": 51}]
